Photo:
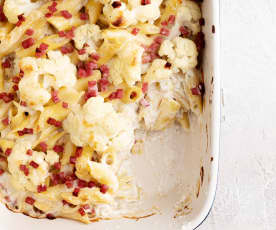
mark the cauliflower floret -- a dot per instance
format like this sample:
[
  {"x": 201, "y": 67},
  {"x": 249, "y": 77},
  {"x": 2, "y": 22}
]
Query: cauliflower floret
[
  {"x": 125, "y": 15},
  {"x": 13, "y": 8},
  {"x": 120, "y": 16},
  {"x": 188, "y": 14},
  {"x": 127, "y": 66},
  {"x": 51, "y": 157},
  {"x": 57, "y": 71},
  {"x": 60, "y": 67},
  {"x": 181, "y": 53},
  {"x": 149, "y": 12},
  {"x": 87, "y": 34},
  {"x": 37, "y": 96},
  {"x": 98, "y": 125},
  {"x": 19, "y": 157},
  {"x": 157, "y": 71}
]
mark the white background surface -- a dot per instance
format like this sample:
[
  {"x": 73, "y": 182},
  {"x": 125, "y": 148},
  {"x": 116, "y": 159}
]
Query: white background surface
[{"x": 246, "y": 195}]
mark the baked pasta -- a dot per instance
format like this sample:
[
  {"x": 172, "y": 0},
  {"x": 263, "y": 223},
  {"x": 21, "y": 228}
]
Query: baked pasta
[{"x": 80, "y": 80}]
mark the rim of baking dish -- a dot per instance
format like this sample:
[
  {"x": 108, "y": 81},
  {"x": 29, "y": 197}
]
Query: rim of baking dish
[{"x": 216, "y": 123}]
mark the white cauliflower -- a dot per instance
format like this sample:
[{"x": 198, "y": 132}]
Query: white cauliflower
[
  {"x": 59, "y": 67},
  {"x": 125, "y": 15},
  {"x": 127, "y": 65},
  {"x": 87, "y": 34},
  {"x": 19, "y": 157},
  {"x": 119, "y": 17},
  {"x": 157, "y": 71},
  {"x": 188, "y": 14},
  {"x": 57, "y": 71},
  {"x": 13, "y": 8},
  {"x": 52, "y": 157},
  {"x": 181, "y": 53},
  {"x": 98, "y": 125}
]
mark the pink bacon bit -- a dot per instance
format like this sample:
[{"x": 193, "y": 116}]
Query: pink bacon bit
[
  {"x": 6, "y": 121},
  {"x": 54, "y": 122},
  {"x": 6, "y": 97},
  {"x": 84, "y": 16},
  {"x": 104, "y": 188},
  {"x": 15, "y": 87},
  {"x": 92, "y": 90},
  {"x": 196, "y": 91},
  {"x": 57, "y": 165},
  {"x": 28, "y": 43},
  {"x": 48, "y": 15},
  {"x": 24, "y": 169},
  {"x": 25, "y": 131},
  {"x": 29, "y": 200},
  {"x": 61, "y": 34},
  {"x": 81, "y": 211},
  {"x": 104, "y": 70},
  {"x": 29, "y": 152},
  {"x": 29, "y": 32},
  {"x": 185, "y": 31},
  {"x": 23, "y": 103},
  {"x": 76, "y": 191},
  {"x": 6, "y": 64},
  {"x": 2, "y": 15},
  {"x": 8, "y": 152},
  {"x": 171, "y": 19},
  {"x": 16, "y": 80},
  {"x": 66, "y": 49},
  {"x": 21, "y": 19},
  {"x": 58, "y": 148},
  {"x": 1, "y": 172},
  {"x": 43, "y": 146},
  {"x": 158, "y": 40},
  {"x": 118, "y": 94},
  {"x": 164, "y": 31},
  {"x": 82, "y": 183},
  {"x": 41, "y": 188},
  {"x": 164, "y": 23},
  {"x": 69, "y": 184},
  {"x": 52, "y": 8},
  {"x": 73, "y": 160},
  {"x": 82, "y": 73},
  {"x": 55, "y": 98},
  {"x": 78, "y": 151},
  {"x": 70, "y": 33},
  {"x": 82, "y": 51},
  {"x": 66, "y": 14},
  {"x": 95, "y": 56},
  {"x": 50, "y": 216},
  {"x": 65, "y": 105},
  {"x": 91, "y": 65},
  {"x": 34, "y": 164},
  {"x": 91, "y": 184},
  {"x": 145, "y": 2},
  {"x": 145, "y": 87},
  {"x": 135, "y": 31},
  {"x": 103, "y": 84}
]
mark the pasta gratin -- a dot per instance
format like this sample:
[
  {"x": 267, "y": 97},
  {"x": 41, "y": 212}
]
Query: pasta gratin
[{"x": 81, "y": 82}]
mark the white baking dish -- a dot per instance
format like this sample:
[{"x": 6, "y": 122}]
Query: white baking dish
[{"x": 179, "y": 170}]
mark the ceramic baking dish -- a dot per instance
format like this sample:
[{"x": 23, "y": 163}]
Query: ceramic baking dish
[{"x": 178, "y": 171}]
